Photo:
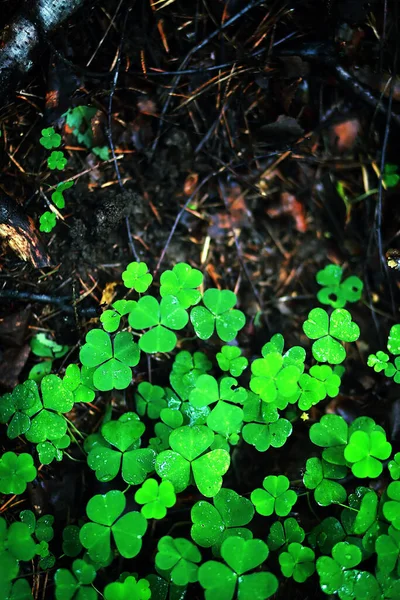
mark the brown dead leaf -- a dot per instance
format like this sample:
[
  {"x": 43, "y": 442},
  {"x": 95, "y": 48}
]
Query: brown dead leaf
[
  {"x": 190, "y": 184},
  {"x": 344, "y": 135},
  {"x": 108, "y": 293},
  {"x": 289, "y": 205}
]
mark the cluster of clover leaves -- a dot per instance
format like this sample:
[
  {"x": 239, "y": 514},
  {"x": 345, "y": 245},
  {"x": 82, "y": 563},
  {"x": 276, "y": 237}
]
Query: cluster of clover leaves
[
  {"x": 183, "y": 436},
  {"x": 381, "y": 362}
]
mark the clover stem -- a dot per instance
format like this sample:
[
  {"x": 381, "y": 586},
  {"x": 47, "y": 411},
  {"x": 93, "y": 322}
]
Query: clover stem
[{"x": 74, "y": 428}]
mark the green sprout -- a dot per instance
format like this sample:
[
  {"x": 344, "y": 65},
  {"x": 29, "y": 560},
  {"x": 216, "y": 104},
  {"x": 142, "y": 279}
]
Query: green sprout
[
  {"x": 104, "y": 513},
  {"x": 117, "y": 449},
  {"x": 217, "y": 313},
  {"x": 47, "y": 221},
  {"x": 113, "y": 360},
  {"x": 230, "y": 359},
  {"x": 298, "y": 562},
  {"x": 214, "y": 524},
  {"x": 57, "y": 160},
  {"x": 189, "y": 457},
  {"x": 111, "y": 318},
  {"x": 275, "y": 497},
  {"x": 329, "y": 332},
  {"x": 76, "y": 584},
  {"x": 156, "y": 498},
  {"x": 15, "y": 472},
  {"x": 150, "y": 400},
  {"x": 182, "y": 282},
  {"x": 58, "y": 196},
  {"x": 79, "y": 120},
  {"x": 136, "y": 276},
  {"x": 129, "y": 589},
  {"x": 178, "y": 557},
  {"x": 241, "y": 556},
  {"x": 336, "y": 292},
  {"x": 50, "y": 139},
  {"x": 159, "y": 318},
  {"x": 283, "y": 534}
]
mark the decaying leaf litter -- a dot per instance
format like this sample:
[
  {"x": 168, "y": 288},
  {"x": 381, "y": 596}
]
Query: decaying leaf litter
[{"x": 257, "y": 141}]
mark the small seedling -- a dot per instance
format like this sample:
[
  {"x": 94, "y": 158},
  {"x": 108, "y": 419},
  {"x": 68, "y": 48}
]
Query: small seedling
[{"x": 179, "y": 558}]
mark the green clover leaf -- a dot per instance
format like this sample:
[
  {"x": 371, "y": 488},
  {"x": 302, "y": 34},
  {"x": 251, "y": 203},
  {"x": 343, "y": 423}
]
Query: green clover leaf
[
  {"x": 379, "y": 361},
  {"x": 225, "y": 418},
  {"x": 47, "y": 221},
  {"x": 48, "y": 451},
  {"x": 58, "y": 196},
  {"x": 181, "y": 283},
  {"x": 318, "y": 477},
  {"x": 217, "y": 313},
  {"x": 76, "y": 584},
  {"x": 262, "y": 436},
  {"x": 113, "y": 362},
  {"x": 185, "y": 371},
  {"x": 333, "y": 573},
  {"x": 388, "y": 550},
  {"x": 156, "y": 498},
  {"x": 312, "y": 391},
  {"x": 16, "y": 543},
  {"x": 129, "y": 589},
  {"x": 188, "y": 456},
  {"x": 331, "y": 433},
  {"x": 394, "y": 466},
  {"x": 393, "y": 344},
  {"x": 80, "y": 382},
  {"x": 118, "y": 448},
  {"x": 19, "y": 406},
  {"x": 150, "y": 400},
  {"x": 213, "y": 524},
  {"x": 298, "y": 562},
  {"x": 50, "y": 139},
  {"x": 178, "y": 557},
  {"x": 362, "y": 512},
  {"x": 275, "y": 497},
  {"x": 56, "y": 160},
  {"x": 16, "y": 472},
  {"x": 19, "y": 590},
  {"x": 111, "y": 318},
  {"x": 390, "y": 175},
  {"x": 220, "y": 581},
  {"x": 284, "y": 534},
  {"x": 230, "y": 359},
  {"x": 104, "y": 512},
  {"x": 365, "y": 451},
  {"x": 43, "y": 346},
  {"x": 270, "y": 377},
  {"x": 161, "y": 318},
  {"x": 327, "y": 331},
  {"x": 326, "y": 534},
  {"x": 391, "y": 507},
  {"x": 335, "y": 292},
  {"x": 137, "y": 276}
]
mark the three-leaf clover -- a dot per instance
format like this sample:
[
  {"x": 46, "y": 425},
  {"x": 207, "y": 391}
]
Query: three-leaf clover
[
  {"x": 283, "y": 534},
  {"x": 76, "y": 584},
  {"x": 118, "y": 448},
  {"x": 47, "y": 221},
  {"x": 318, "y": 477},
  {"x": 225, "y": 418},
  {"x": 111, "y": 318},
  {"x": 275, "y": 497},
  {"x": 270, "y": 377},
  {"x": 113, "y": 360},
  {"x": 48, "y": 451},
  {"x": 188, "y": 456},
  {"x": 80, "y": 382},
  {"x": 179, "y": 557},
  {"x": 150, "y": 399},
  {"x": 137, "y": 276},
  {"x": 230, "y": 359},
  {"x": 328, "y": 332},
  {"x": 365, "y": 451},
  {"x": 56, "y": 160},
  {"x": 332, "y": 571},
  {"x": 104, "y": 512},
  {"x": 159, "y": 318},
  {"x": 298, "y": 562},
  {"x": 336, "y": 292},
  {"x": 241, "y": 556},
  {"x": 58, "y": 195},
  {"x": 331, "y": 433},
  {"x": 182, "y": 282},
  {"x": 19, "y": 406},
  {"x": 16, "y": 544},
  {"x": 129, "y": 589},
  {"x": 156, "y": 498},
  {"x": 50, "y": 139},
  {"x": 217, "y": 313},
  {"x": 264, "y": 428},
  {"x": 213, "y": 524},
  {"x": 15, "y": 472}
]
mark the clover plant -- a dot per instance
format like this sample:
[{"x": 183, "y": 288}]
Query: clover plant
[{"x": 170, "y": 460}]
